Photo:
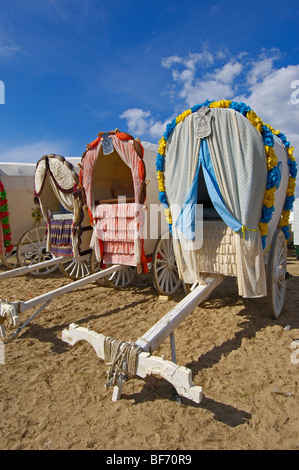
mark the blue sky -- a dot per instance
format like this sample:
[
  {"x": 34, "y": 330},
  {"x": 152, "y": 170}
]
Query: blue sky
[{"x": 71, "y": 68}]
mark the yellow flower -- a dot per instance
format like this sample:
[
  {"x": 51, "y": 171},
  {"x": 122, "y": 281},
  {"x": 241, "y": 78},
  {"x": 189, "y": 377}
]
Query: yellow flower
[
  {"x": 255, "y": 120},
  {"x": 271, "y": 157},
  {"x": 182, "y": 116},
  {"x": 162, "y": 146},
  {"x": 291, "y": 186},
  {"x": 284, "y": 218},
  {"x": 168, "y": 216},
  {"x": 160, "y": 176},
  {"x": 269, "y": 197},
  {"x": 263, "y": 228},
  {"x": 290, "y": 153},
  {"x": 220, "y": 104}
]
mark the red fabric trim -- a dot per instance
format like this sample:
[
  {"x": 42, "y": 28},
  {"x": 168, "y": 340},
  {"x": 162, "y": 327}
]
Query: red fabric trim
[
  {"x": 144, "y": 259},
  {"x": 123, "y": 136},
  {"x": 141, "y": 170},
  {"x": 94, "y": 143}
]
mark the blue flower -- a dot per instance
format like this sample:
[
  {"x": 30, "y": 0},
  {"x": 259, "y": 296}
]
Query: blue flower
[
  {"x": 288, "y": 206},
  {"x": 195, "y": 108},
  {"x": 267, "y": 213},
  {"x": 163, "y": 199},
  {"x": 240, "y": 107},
  {"x": 169, "y": 128},
  {"x": 264, "y": 241},
  {"x": 283, "y": 139},
  {"x": 286, "y": 232},
  {"x": 160, "y": 162},
  {"x": 292, "y": 168},
  {"x": 267, "y": 136},
  {"x": 274, "y": 177}
]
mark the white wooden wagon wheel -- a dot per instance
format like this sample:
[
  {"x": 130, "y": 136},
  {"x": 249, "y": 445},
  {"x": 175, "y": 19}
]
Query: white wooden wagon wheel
[
  {"x": 95, "y": 267},
  {"x": 10, "y": 259},
  {"x": 121, "y": 279},
  {"x": 75, "y": 269},
  {"x": 118, "y": 280},
  {"x": 32, "y": 250},
  {"x": 276, "y": 274},
  {"x": 165, "y": 272}
]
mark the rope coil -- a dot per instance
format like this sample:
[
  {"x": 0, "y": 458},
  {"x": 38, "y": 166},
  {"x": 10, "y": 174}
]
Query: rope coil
[{"x": 122, "y": 359}]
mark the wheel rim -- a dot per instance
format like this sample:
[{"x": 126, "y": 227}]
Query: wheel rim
[
  {"x": 166, "y": 275},
  {"x": 75, "y": 269},
  {"x": 122, "y": 278},
  {"x": 276, "y": 281},
  {"x": 32, "y": 250},
  {"x": 10, "y": 260},
  {"x": 95, "y": 267}
]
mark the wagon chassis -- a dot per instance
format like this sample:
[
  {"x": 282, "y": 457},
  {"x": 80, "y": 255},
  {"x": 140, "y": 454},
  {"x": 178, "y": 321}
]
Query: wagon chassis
[{"x": 180, "y": 377}]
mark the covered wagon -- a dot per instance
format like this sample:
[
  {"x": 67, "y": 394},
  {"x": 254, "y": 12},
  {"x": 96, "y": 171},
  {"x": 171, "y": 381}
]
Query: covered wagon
[
  {"x": 118, "y": 175},
  {"x": 56, "y": 187},
  {"x": 223, "y": 170}
]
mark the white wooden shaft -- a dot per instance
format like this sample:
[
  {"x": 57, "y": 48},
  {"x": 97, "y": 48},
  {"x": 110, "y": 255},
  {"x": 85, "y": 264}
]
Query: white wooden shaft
[
  {"x": 164, "y": 327},
  {"x": 22, "y": 306},
  {"x": 34, "y": 267}
]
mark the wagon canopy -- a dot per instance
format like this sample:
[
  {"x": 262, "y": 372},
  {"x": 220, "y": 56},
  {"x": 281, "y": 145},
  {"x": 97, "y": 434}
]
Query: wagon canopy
[
  {"x": 115, "y": 166},
  {"x": 215, "y": 155},
  {"x": 56, "y": 183},
  {"x": 56, "y": 186}
]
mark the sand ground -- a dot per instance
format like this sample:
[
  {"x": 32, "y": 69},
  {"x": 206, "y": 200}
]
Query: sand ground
[{"x": 52, "y": 396}]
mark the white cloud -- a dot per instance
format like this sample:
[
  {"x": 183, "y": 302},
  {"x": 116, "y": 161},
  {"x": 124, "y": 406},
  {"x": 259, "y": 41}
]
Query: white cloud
[
  {"x": 138, "y": 121},
  {"x": 271, "y": 100},
  {"x": 273, "y": 93},
  {"x": 205, "y": 89},
  {"x": 228, "y": 72}
]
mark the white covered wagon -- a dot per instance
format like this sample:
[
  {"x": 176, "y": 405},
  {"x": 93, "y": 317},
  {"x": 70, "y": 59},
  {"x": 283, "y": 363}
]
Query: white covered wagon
[
  {"x": 222, "y": 159},
  {"x": 227, "y": 183},
  {"x": 119, "y": 178},
  {"x": 62, "y": 205}
]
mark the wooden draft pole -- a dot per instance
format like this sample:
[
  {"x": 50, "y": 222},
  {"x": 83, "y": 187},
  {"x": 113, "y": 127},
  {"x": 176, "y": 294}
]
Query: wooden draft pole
[
  {"x": 33, "y": 267},
  {"x": 11, "y": 310},
  {"x": 145, "y": 363}
]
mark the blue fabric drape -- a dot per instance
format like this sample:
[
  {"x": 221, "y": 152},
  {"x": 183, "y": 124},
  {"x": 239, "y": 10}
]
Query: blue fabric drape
[{"x": 186, "y": 219}]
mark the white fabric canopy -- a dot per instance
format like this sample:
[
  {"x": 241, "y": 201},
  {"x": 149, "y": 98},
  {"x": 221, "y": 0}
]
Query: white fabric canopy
[{"x": 235, "y": 154}]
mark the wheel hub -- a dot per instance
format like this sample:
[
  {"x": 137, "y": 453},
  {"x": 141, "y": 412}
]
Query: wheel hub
[
  {"x": 280, "y": 273},
  {"x": 171, "y": 263}
]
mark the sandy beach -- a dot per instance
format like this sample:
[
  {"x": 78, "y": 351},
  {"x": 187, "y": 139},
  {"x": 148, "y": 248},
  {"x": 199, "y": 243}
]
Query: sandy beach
[{"x": 52, "y": 396}]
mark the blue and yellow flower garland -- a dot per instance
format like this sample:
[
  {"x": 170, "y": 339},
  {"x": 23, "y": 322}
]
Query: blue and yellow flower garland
[{"x": 273, "y": 177}]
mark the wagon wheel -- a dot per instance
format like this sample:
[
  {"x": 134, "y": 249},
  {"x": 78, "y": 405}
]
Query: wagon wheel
[
  {"x": 276, "y": 274},
  {"x": 165, "y": 272},
  {"x": 75, "y": 269},
  {"x": 10, "y": 259},
  {"x": 122, "y": 278},
  {"x": 32, "y": 250},
  {"x": 118, "y": 280},
  {"x": 95, "y": 267}
]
